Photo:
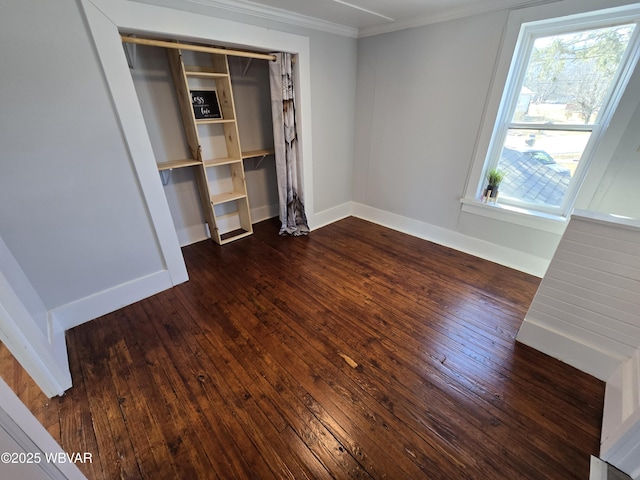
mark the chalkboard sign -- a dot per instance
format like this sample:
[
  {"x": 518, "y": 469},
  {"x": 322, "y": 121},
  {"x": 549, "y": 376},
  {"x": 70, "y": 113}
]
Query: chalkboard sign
[{"x": 205, "y": 104}]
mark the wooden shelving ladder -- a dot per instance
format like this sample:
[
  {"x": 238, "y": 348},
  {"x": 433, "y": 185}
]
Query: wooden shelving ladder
[{"x": 232, "y": 162}]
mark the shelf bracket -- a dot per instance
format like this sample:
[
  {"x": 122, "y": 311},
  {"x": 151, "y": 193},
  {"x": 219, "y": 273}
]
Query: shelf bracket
[
  {"x": 165, "y": 175},
  {"x": 256, "y": 165},
  {"x": 246, "y": 68}
]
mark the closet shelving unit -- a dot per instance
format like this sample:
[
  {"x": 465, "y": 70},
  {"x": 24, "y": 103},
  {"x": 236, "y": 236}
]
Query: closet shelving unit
[
  {"x": 215, "y": 163},
  {"x": 214, "y": 77}
]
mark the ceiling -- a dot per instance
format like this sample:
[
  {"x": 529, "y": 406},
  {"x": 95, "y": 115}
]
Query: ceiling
[{"x": 365, "y": 17}]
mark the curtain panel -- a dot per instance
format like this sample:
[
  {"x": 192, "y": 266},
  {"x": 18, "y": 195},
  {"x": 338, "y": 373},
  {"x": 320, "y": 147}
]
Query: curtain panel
[{"x": 288, "y": 162}]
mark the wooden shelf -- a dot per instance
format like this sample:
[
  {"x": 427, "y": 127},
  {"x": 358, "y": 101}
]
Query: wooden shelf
[
  {"x": 208, "y": 121},
  {"x": 216, "y": 162},
  {"x": 233, "y": 235},
  {"x": 258, "y": 153},
  {"x": 189, "y": 162},
  {"x": 202, "y": 72},
  {"x": 225, "y": 197}
]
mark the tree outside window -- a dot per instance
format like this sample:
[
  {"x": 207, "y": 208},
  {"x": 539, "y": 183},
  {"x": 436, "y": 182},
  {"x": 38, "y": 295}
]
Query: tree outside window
[{"x": 564, "y": 84}]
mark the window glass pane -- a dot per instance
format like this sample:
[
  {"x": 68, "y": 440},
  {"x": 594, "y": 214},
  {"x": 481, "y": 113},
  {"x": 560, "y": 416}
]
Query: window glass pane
[
  {"x": 539, "y": 165},
  {"x": 568, "y": 76}
]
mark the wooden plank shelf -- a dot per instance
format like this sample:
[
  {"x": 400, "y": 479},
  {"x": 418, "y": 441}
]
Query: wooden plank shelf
[
  {"x": 189, "y": 162},
  {"x": 216, "y": 162},
  {"x": 208, "y": 121},
  {"x": 233, "y": 235},
  {"x": 258, "y": 153},
  {"x": 225, "y": 197}
]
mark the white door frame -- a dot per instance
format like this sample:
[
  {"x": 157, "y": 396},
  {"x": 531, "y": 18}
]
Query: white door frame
[
  {"x": 22, "y": 434},
  {"x": 28, "y": 331}
]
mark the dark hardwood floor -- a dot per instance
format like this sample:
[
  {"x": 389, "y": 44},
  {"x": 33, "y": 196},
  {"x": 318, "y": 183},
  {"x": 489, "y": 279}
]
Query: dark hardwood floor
[{"x": 355, "y": 352}]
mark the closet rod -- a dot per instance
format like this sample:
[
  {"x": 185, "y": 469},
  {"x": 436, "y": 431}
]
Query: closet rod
[{"x": 196, "y": 48}]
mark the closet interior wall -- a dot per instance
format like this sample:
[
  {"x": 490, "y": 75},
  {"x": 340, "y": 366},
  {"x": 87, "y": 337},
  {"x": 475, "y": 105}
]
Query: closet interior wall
[{"x": 155, "y": 89}]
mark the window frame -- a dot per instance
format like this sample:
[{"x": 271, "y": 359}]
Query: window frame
[{"x": 511, "y": 65}]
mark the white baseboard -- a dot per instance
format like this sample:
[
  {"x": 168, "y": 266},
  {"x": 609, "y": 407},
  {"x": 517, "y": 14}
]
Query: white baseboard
[
  {"x": 193, "y": 234},
  {"x": 264, "y": 213},
  {"x": 501, "y": 255},
  {"x": 326, "y": 217},
  {"x": 575, "y": 352},
  {"x": 89, "y": 308}
]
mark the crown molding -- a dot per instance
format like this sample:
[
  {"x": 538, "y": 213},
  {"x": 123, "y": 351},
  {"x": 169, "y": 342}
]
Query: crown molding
[
  {"x": 276, "y": 14},
  {"x": 249, "y": 8},
  {"x": 452, "y": 14}
]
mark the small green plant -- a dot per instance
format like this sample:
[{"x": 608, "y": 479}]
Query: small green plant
[{"x": 495, "y": 176}]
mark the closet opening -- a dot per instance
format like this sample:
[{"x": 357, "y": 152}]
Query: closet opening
[{"x": 208, "y": 114}]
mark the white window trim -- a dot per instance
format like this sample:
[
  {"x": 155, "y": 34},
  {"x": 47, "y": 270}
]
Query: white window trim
[
  {"x": 557, "y": 15},
  {"x": 520, "y": 216}
]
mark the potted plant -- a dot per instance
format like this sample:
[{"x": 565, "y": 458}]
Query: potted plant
[{"x": 494, "y": 178}]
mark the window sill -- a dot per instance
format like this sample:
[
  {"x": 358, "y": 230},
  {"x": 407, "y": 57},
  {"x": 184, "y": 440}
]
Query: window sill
[{"x": 519, "y": 216}]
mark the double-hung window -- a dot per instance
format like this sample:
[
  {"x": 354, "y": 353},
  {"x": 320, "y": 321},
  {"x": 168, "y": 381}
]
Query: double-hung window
[{"x": 565, "y": 82}]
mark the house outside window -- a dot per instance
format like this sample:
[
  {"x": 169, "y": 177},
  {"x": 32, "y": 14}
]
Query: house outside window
[{"x": 564, "y": 84}]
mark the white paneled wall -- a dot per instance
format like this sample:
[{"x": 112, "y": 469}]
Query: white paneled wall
[{"x": 587, "y": 309}]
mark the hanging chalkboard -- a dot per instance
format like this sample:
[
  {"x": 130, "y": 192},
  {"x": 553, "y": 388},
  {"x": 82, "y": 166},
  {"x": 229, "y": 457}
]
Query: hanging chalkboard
[{"x": 205, "y": 104}]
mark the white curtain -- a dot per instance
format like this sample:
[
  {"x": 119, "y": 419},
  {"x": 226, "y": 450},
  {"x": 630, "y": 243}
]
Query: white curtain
[{"x": 288, "y": 162}]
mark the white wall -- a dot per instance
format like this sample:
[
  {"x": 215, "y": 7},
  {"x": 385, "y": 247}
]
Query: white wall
[
  {"x": 585, "y": 311},
  {"x": 619, "y": 190}
]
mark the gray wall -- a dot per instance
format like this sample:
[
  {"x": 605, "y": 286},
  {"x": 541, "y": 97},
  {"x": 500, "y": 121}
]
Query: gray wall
[
  {"x": 72, "y": 213},
  {"x": 421, "y": 97}
]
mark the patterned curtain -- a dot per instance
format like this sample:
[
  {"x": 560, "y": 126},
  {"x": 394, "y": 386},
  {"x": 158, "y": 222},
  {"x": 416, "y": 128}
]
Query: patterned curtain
[{"x": 285, "y": 135}]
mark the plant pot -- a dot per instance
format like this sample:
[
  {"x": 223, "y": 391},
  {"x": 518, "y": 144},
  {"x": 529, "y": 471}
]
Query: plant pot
[{"x": 491, "y": 193}]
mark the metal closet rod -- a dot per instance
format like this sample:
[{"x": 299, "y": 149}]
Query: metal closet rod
[{"x": 196, "y": 48}]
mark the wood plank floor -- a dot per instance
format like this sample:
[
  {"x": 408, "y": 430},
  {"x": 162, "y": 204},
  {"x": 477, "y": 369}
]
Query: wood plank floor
[{"x": 355, "y": 352}]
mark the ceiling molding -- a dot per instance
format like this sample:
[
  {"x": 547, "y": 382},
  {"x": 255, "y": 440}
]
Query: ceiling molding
[
  {"x": 247, "y": 7},
  {"x": 447, "y": 16},
  {"x": 276, "y": 14}
]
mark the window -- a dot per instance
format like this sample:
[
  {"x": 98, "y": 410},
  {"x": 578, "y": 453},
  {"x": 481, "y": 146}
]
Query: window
[{"x": 565, "y": 81}]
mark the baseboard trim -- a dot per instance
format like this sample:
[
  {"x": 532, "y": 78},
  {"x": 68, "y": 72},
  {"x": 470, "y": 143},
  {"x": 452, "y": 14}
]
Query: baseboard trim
[
  {"x": 508, "y": 257},
  {"x": 93, "y": 306},
  {"x": 265, "y": 212},
  {"x": 331, "y": 215},
  {"x": 192, "y": 234},
  {"x": 573, "y": 351}
]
